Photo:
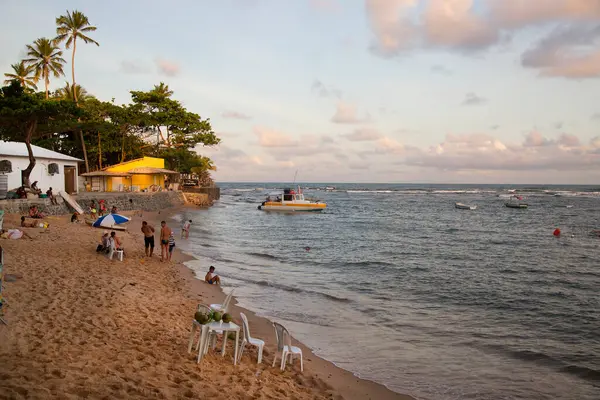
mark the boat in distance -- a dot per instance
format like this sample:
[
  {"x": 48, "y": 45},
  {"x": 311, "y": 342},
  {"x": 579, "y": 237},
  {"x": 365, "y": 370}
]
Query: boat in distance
[
  {"x": 290, "y": 201},
  {"x": 516, "y": 202},
  {"x": 462, "y": 206}
]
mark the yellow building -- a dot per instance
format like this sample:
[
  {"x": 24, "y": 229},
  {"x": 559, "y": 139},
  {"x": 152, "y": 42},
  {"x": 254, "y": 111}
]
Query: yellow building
[{"x": 142, "y": 174}]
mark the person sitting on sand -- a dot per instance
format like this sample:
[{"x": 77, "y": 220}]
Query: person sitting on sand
[
  {"x": 103, "y": 247},
  {"x": 51, "y": 197},
  {"x": 211, "y": 278},
  {"x": 165, "y": 232},
  {"x": 75, "y": 217},
  {"x": 34, "y": 213},
  {"x": 148, "y": 231},
  {"x": 113, "y": 210},
  {"x": 27, "y": 224}
]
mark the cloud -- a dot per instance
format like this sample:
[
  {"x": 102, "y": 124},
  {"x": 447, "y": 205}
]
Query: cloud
[
  {"x": 363, "y": 135},
  {"x": 271, "y": 138},
  {"x": 134, "y": 67},
  {"x": 440, "y": 69},
  {"x": 346, "y": 113},
  {"x": 559, "y": 125},
  {"x": 482, "y": 152},
  {"x": 167, "y": 68},
  {"x": 358, "y": 165},
  {"x": 570, "y": 52},
  {"x": 320, "y": 89},
  {"x": 494, "y": 127},
  {"x": 471, "y": 99},
  {"x": 596, "y": 116},
  {"x": 467, "y": 26},
  {"x": 235, "y": 115}
]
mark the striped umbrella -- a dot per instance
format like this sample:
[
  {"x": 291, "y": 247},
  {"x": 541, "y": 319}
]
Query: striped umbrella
[{"x": 110, "y": 220}]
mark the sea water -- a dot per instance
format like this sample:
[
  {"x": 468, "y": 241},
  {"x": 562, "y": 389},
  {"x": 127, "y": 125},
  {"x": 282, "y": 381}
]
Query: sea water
[{"x": 400, "y": 287}]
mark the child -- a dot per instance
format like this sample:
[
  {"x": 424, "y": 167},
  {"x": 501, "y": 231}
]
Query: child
[
  {"x": 171, "y": 245},
  {"x": 75, "y": 217},
  {"x": 93, "y": 211},
  {"x": 211, "y": 278},
  {"x": 102, "y": 207}
]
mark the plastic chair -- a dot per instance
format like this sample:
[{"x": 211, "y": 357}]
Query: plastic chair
[
  {"x": 250, "y": 340},
  {"x": 285, "y": 348},
  {"x": 119, "y": 254},
  {"x": 206, "y": 310},
  {"x": 223, "y": 308}
]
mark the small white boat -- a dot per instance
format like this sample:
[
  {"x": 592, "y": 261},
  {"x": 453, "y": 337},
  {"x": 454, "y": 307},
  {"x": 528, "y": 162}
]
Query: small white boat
[
  {"x": 290, "y": 201},
  {"x": 515, "y": 204},
  {"x": 462, "y": 206}
]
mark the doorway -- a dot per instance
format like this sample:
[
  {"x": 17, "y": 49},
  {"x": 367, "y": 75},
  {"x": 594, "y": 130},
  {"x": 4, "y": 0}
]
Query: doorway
[{"x": 70, "y": 180}]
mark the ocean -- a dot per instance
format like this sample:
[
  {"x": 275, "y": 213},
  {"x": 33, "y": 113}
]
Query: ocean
[{"x": 402, "y": 288}]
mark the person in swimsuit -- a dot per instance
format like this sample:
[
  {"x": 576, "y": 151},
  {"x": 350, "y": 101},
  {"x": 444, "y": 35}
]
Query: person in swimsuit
[
  {"x": 165, "y": 232},
  {"x": 148, "y": 231},
  {"x": 185, "y": 229},
  {"x": 171, "y": 245},
  {"x": 211, "y": 278}
]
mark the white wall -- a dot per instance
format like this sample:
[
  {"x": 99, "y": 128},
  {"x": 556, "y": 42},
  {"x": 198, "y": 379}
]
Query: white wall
[{"x": 40, "y": 173}]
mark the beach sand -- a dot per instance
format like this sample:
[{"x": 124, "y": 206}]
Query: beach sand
[{"x": 82, "y": 326}]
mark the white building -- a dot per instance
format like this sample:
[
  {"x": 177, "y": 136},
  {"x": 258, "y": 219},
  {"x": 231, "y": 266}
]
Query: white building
[{"x": 52, "y": 169}]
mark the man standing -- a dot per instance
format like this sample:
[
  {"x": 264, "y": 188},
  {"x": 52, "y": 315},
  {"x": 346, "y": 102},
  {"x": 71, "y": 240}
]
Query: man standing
[
  {"x": 165, "y": 232},
  {"x": 148, "y": 231},
  {"x": 185, "y": 229}
]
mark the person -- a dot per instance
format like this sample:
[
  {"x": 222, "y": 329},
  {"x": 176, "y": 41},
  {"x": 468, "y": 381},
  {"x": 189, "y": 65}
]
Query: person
[
  {"x": 117, "y": 242},
  {"x": 93, "y": 211},
  {"x": 27, "y": 224},
  {"x": 185, "y": 229},
  {"x": 171, "y": 246},
  {"x": 148, "y": 231},
  {"x": 34, "y": 188},
  {"x": 211, "y": 278},
  {"x": 21, "y": 192},
  {"x": 34, "y": 213},
  {"x": 113, "y": 210},
  {"x": 102, "y": 207},
  {"x": 103, "y": 247},
  {"x": 51, "y": 196},
  {"x": 165, "y": 232},
  {"x": 75, "y": 217}
]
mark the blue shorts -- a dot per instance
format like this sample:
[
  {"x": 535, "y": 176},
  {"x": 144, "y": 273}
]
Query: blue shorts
[{"x": 210, "y": 281}]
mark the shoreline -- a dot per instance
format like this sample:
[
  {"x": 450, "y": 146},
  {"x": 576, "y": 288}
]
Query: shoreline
[{"x": 176, "y": 284}]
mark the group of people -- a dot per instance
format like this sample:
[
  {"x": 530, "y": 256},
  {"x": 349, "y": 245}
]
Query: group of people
[
  {"x": 22, "y": 192},
  {"x": 109, "y": 240},
  {"x": 95, "y": 212}
]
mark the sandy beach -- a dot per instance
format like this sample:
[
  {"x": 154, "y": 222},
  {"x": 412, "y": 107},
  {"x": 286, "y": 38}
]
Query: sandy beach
[{"x": 82, "y": 326}]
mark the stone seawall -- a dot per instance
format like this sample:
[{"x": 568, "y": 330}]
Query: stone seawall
[
  {"x": 214, "y": 193},
  {"x": 123, "y": 201}
]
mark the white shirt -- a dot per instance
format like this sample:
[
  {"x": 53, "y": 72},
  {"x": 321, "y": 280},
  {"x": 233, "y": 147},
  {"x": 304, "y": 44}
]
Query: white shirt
[{"x": 186, "y": 225}]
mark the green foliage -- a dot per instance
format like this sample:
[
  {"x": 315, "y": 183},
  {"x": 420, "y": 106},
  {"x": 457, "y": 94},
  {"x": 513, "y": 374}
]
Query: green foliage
[
  {"x": 45, "y": 58},
  {"x": 23, "y": 74},
  {"x": 73, "y": 26}
]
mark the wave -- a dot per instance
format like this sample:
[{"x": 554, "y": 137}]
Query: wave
[
  {"x": 262, "y": 255},
  {"x": 293, "y": 289}
]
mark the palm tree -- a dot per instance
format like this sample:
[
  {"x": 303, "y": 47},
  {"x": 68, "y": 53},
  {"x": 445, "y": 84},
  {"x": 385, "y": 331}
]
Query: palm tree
[
  {"x": 45, "y": 59},
  {"x": 71, "y": 27},
  {"x": 22, "y": 73},
  {"x": 162, "y": 90},
  {"x": 67, "y": 93}
]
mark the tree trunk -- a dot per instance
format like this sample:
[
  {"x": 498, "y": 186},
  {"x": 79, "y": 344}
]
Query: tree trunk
[
  {"x": 87, "y": 166},
  {"x": 99, "y": 152},
  {"x": 73, "y": 70},
  {"x": 46, "y": 82},
  {"x": 30, "y": 130},
  {"x": 123, "y": 146}
]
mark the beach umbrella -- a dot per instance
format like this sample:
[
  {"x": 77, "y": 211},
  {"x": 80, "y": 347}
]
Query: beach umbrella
[{"x": 110, "y": 220}]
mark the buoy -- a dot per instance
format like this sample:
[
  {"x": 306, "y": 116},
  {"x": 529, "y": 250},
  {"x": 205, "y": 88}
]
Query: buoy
[{"x": 556, "y": 232}]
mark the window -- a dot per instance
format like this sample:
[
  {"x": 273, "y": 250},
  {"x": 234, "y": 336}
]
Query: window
[
  {"x": 5, "y": 167},
  {"x": 53, "y": 168}
]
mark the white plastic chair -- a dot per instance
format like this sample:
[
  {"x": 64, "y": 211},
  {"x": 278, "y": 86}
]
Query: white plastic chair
[
  {"x": 250, "y": 340},
  {"x": 223, "y": 308},
  {"x": 112, "y": 249},
  {"x": 206, "y": 310},
  {"x": 285, "y": 348}
]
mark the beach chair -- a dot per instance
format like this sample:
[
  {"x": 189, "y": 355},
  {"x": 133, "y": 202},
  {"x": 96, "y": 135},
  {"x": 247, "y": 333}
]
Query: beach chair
[
  {"x": 223, "y": 308},
  {"x": 112, "y": 250},
  {"x": 285, "y": 348},
  {"x": 250, "y": 340},
  {"x": 206, "y": 310}
]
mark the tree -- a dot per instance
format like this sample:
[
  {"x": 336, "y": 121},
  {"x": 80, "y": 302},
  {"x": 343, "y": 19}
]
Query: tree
[
  {"x": 25, "y": 116},
  {"x": 162, "y": 90},
  {"x": 22, "y": 73},
  {"x": 72, "y": 93},
  {"x": 69, "y": 28},
  {"x": 45, "y": 58},
  {"x": 202, "y": 170}
]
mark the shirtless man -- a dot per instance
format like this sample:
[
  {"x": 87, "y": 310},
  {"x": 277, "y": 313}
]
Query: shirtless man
[
  {"x": 211, "y": 278},
  {"x": 148, "y": 231},
  {"x": 165, "y": 232}
]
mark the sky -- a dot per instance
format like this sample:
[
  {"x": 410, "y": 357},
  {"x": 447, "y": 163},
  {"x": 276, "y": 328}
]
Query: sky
[{"x": 419, "y": 91}]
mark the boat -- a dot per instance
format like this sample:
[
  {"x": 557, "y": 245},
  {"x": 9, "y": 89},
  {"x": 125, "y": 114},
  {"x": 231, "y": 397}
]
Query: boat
[
  {"x": 330, "y": 188},
  {"x": 513, "y": 204},
  {"x": 462, "y": 206},
  {"x": 290, "y": 200}
]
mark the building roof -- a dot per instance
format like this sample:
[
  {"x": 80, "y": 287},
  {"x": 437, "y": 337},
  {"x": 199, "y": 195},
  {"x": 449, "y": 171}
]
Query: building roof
[
  {"x": 19, "y": 149},
  {"x": 150, "y": 170},
  {"x": 130, "y": 162},
  {"x": 106, "y": 173}
]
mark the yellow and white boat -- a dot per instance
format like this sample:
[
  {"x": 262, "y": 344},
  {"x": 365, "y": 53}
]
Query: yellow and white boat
[{"x": 289, "y": 201}]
